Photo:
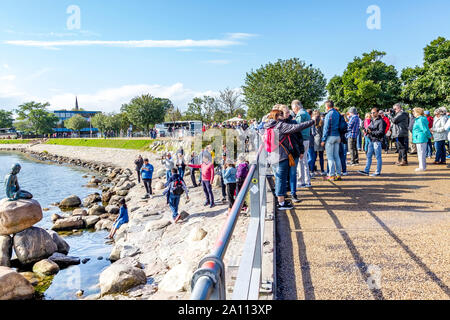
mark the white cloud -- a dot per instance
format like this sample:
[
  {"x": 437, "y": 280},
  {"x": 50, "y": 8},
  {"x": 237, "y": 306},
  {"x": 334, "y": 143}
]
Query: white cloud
[
  {"x": 218, "y": 61},
  {"x": 187, "y": 43},
  {"x": 241, "y": 35},
  {"x": 5, "y": 66}
]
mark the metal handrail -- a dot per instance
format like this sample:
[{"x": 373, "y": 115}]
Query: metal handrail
[{"x": 208, "y": 282}]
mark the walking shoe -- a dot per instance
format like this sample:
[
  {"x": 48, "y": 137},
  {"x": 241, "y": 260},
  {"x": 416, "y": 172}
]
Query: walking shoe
[
  {"x": 375, "y": 174},
  {"x": 323, "y": 173},
  {"x": 206, "y": 203},
  {"x": 286, "y": 206},
  {"x": 301, "y": 186},
  {"x": 308, "y": 185},
  {"x": 295, "y": 199},
  {"x": 177, "y": 218},
  {"x": 402, "y": 163},
  {"x": 363, "y": 172},
  {"x": 212, "y": 205},
  {"x": 338, "y": 178},
  {"x": 345, "y": 174},
  {"x": 224, "y": 199},
  {"x": 419, "y": 169},
  {"x": 330, "y": 178}
]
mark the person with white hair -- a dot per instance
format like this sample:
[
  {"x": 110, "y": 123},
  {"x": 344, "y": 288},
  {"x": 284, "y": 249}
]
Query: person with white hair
[
  {"x": 440, "y": 134},
  {"x": 301, "y": 116}
]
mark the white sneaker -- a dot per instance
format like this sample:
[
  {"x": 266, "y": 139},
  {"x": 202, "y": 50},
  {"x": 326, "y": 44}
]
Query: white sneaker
[
  {"x": 345, "y": 174},
  {"x": 419, "y": 169}
]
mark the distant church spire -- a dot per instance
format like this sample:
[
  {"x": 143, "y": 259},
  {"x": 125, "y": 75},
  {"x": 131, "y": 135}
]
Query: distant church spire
[{"x": 76, "y": 104}]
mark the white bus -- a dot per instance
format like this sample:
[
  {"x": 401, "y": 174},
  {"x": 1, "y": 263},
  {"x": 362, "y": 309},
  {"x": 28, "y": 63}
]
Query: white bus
[{"x": 179, "y": 128}]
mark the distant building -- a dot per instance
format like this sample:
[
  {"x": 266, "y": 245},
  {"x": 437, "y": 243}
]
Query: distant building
[{"x": 64, "y": 115}]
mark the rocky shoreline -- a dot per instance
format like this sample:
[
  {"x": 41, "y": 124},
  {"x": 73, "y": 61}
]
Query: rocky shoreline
[{"x": 152, "y": 258}]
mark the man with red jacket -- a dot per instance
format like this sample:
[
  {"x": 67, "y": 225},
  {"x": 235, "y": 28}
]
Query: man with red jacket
[{"x": 388, "y": 127}]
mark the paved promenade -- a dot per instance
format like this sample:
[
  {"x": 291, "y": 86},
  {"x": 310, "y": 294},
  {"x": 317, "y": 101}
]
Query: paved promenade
[{"x": 369, "y": 238}]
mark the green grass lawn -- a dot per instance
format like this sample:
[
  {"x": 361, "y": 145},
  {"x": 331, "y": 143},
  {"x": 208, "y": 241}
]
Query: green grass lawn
[
  {"x": 15, "y": 141},
  {"x": 104, "y": 143}
]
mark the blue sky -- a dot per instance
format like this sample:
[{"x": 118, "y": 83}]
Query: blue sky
[{"x": 41, "y": 60}]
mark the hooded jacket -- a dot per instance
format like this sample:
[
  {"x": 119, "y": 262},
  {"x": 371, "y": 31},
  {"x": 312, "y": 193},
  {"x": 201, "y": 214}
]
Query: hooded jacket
[
  {"x": 284, "y": 129},
  {"x": 421, "y": 133},
  {"x": 401, "y": 124},
  {"x": 439, "y": 131},
  {"x": 377, "y": 129}
]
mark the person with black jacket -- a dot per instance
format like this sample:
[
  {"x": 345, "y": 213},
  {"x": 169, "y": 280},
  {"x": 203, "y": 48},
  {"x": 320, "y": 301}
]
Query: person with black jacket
[
  {"x": 295, "y": 145},
  {"x": 375, "y": 132},
  {"x": 193, "y": 170},
  {"x": 139, "y": 162},
  {"x": 400, "y": 133}
]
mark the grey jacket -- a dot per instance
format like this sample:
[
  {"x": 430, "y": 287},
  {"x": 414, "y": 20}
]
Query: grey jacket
[
  {"x": 283, "y": 129},
  {"x": 401, "y": 125},
  {"x": 439, "y": 131}
]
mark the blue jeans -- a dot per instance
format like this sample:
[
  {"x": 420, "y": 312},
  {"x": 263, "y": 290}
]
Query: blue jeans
[
  {"x": 174, "y": 201},
  {"x": 374, "y": 147},
  {"x": 312, "y": 157},
  {"x": 429, "y": 148},
  {"x": 440, "y": 150},
  {"x": 168, "y": 174},
  {"x": 181, "y": 172},
  {"x": 358, "y": 141},
  {"x": 334, "y": 162},
  {"x": 281, "y": 171},
  {"x": 293, "y": 177},
  {"x": 343, "y": 149}
]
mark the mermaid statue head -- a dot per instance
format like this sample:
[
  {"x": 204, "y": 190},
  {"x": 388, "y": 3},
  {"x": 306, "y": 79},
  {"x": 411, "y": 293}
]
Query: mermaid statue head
[{"x": 15, "y": 169}]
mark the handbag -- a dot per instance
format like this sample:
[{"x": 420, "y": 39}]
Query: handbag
[{"x": 290, "y": 157}]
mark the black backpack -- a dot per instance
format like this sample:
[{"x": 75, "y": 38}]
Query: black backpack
[{"x": 178, "y": 187}]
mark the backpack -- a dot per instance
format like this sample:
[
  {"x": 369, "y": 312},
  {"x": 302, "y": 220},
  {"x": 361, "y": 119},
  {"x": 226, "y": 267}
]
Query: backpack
[
  {"x": 343, "y": 127},
  {"x": 269, "y": 140},
  {"x": 242, "y": 171},
  {"x": 178, "y": 187}
]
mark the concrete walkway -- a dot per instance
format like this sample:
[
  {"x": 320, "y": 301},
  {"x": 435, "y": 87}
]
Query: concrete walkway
[{"x": 368, "y": 238}]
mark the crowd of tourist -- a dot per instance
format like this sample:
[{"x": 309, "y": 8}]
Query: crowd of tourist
[{"x": 298, "y": 141}]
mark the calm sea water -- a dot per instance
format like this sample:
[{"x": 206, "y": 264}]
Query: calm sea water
[{"x": 51, "y": 183}]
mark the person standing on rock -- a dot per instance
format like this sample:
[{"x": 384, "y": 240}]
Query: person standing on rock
[
  {"x": 175, "y": 188},
  {"x": 139, "y": 163},
  {"x": 193, "y": 161},
  {"x": 147, "y": 176},
  {"x": 13, "y": 191},
  {"x": 229, "y": 178},
  {"x": 121, "y": 219},
  {"x": 169, "y": 165},
  {"x": 207, "y": 172}
]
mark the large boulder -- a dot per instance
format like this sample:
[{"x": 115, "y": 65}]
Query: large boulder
[
  {"x": 104, "y": 224},
  {"x": 90, "y": 221},
  {"x": 79, "y": 212},
  {"x": 63, "y": 246},
  {"x": 115, "y": 200},
  {"x": 14, "y": 286},
  {"x": 70, "y": 202},
  {"x": 177, "y": 279},
  {"x": 16, "y": 216},
  {"x": 33, "y": 244},
  {"x": 161, "y": 173},
  {"x": 5, "y": 251},
  {"x": 71, "y": 223},
  {"x": 197, "y": 234},
  {"x": 91, "y": 200},
  {"x": 46, "y": 267},
  {"x": 63, "y": 261},
  {"x": 96, "y": 210},
  {"x": 106, "y": 196},
  {"x": 159, "y": 185},
  {"x": 120, "y": 278},
  {"x": 112, "y": 209}
]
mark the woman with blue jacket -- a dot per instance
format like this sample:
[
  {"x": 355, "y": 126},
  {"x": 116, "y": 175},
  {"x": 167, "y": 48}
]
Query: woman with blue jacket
[
  {"x": 121, "y": 219},
  {"x": 420, "y": 134},
  {"x": 229, "y": 179}
]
